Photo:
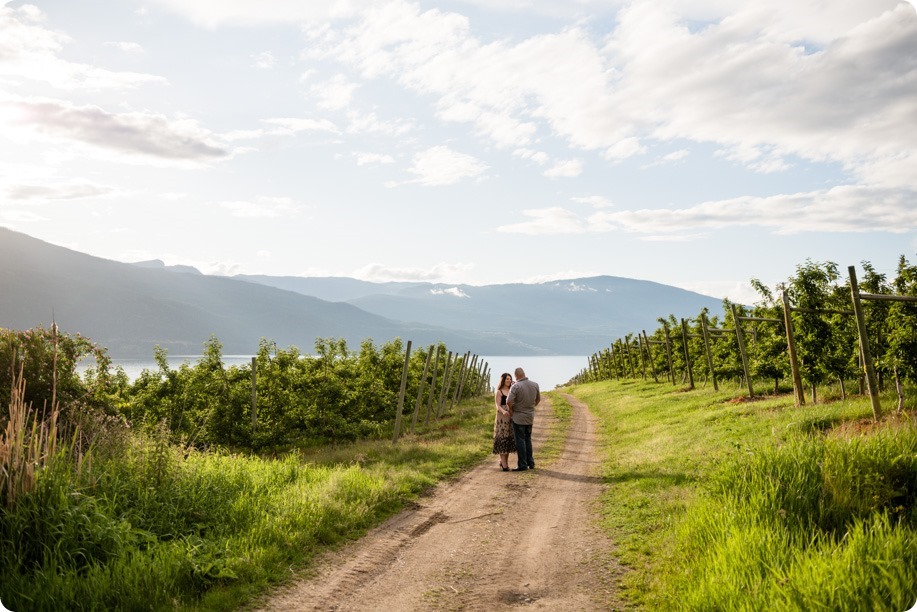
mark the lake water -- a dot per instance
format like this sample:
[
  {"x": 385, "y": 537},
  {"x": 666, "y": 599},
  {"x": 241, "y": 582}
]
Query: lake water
[{"x": 547, "y": 371}]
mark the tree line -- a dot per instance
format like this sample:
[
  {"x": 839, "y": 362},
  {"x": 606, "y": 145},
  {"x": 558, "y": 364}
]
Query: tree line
[
  {"x": 818, "y": 328},
  {"x": 282, "y": 398}
]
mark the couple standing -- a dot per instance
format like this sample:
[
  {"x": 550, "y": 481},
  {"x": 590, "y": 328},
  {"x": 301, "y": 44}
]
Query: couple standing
[{"x": 515, "y": 402}]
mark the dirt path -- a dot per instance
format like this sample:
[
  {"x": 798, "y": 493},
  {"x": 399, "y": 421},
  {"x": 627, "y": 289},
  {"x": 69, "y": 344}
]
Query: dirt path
[{"x": 489, "y": 540}]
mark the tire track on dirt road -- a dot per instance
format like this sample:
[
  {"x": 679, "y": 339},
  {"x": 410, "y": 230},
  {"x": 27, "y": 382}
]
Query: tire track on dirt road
[{"x": 488, "y": 540}]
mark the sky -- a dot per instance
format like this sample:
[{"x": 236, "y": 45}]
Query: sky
[{"x": 695, "y": 143}]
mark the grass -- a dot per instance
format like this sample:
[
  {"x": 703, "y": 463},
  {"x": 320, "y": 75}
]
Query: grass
[
  {"x": 719, "y": 503},
  {"x": 151, "y": 526}
]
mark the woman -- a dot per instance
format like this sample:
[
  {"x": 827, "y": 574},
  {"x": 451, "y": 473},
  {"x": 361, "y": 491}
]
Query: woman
[{"x": 504, "y": 442}]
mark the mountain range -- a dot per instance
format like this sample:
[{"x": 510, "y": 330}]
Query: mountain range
[{"x": 129, "y": 308}]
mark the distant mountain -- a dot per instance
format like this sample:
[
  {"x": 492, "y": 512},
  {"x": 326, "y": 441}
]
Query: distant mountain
[
  {"x": 130, "y": 308},
  {"x": 576, "y": 316}
]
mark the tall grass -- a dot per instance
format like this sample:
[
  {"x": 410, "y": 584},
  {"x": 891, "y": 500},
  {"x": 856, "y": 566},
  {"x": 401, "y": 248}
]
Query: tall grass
[
  {"x": 148, "y": 525},
  {"x": 721, "y": 504},
  {"x": 818, "y": 523},
  {"x": 27, "y": 445}
]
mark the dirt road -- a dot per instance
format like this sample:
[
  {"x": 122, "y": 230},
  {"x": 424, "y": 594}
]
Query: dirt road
[{"x": 489, "y": 540}]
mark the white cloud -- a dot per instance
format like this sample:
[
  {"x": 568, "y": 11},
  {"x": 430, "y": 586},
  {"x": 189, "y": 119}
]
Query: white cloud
[
  {"x": 539, "y": 157},
  {"x": 28, "y": 52},
  {"x": 624, "y": 148},
  {"x": 366, "y": 159},
  {"x": 262, "y": 207},
  {"x": 840, "y": 209},
  {"x": 576, "y": 288},
  {"x": 376, "y": 272},
  {"x": 740, "y": 292},
  {"x": 63, "y": 191},
  {"x": 126, "y": 46},
  {"x": 569, "y": 168},
  {"x": 263, "y": 60},
  {"x": 546, "y": 221},
  {"x": 127, "y": 134},
  {"x": 594, "y": 201},
  {"x": 335, "y": 93},
  {"x": 295, "y": 124},
  {"x": 823, "y": 83},
  {"x": 215, "y": 13},
  {"x": 442, "y": 166},
  {"x": 452, "y": 291},
  {"x": 369, "y": 123}
]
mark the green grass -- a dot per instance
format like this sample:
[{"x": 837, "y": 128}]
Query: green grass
[
  {"x": 715, "y": 503},
  {"x": 150, "y": 526}
]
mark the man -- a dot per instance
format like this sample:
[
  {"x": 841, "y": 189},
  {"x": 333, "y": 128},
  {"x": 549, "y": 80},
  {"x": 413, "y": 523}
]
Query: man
[{"x": 524, "y": 395}]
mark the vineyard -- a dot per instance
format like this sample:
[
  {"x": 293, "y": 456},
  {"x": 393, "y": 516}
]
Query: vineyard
[{"x": 819, "y": 333}]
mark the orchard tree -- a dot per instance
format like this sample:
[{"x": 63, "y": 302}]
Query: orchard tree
[
  {"x": 768, "y": 349},
  {"x": 812, "y": 290},
  {"x": 901, "y": 356}
]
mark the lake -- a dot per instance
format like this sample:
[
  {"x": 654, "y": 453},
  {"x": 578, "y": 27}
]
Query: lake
[{"x": 548, "y": 371}]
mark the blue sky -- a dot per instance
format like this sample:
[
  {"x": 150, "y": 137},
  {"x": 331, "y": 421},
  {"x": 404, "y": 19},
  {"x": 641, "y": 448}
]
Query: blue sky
[{"x": 695, "y": 143}]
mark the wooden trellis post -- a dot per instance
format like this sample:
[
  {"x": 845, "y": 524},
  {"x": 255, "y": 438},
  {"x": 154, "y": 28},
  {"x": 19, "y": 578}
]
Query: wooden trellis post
[
  {"x": 706, "y": 335},
  {"x": 447, "y": 380},
  {"x": 740, "y": 338},
  {"x": 684, "y": 344},
  {"x": 668, "y": 352},
  {"x": 423, "y": 381},
  {"x": 404, "y": 384},
  {"x": 798, "y": 392},
  {"x": 649, "y": 353},
  {"x": 639, "y": 344},
  {"x": 439, "y": 350},
  {"x": 871, "y": 382}
]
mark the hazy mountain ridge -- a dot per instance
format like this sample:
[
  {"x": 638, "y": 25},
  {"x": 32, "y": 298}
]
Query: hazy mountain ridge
[{"x": 130, "y": 308}]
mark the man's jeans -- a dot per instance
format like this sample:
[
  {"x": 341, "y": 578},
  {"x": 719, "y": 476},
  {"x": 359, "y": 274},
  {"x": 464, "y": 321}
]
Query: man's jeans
[{"x": 523, "y": 435}]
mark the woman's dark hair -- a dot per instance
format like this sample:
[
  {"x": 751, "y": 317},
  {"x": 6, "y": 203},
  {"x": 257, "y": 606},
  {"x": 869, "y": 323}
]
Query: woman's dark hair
[{"x": 503, "y": 378}]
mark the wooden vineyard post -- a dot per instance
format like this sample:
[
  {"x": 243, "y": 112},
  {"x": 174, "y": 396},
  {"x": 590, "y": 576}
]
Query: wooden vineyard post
[
  {"x": 639, "y": 343},
  {"x": 254, "y": 394},
  {"x": 433, "y": 385},
  {"x": 460, "y": 378},
  {"x": 649, "y": 356},
  {"x": 668, "y": 352},
  {"x": 684, "y": 344},
  {"x": 447, "y": 379},
  {"x": 865, "y": 352},
  {"x": 465, "y": 372},
  {"x": 798, "y": 392},
  {"x": 740, "y": 338},
  {"x": 423, "y": 381},
  {"x": 706, "y": 335},
  {"x": 614, "y": 360},
  {"x": 625, "y": 344},
  {"x": 404, "y": 384}
]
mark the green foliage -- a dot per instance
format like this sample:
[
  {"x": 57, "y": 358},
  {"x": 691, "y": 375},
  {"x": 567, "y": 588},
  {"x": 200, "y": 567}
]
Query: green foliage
[
  {"x": 901, "y": 353},
  {"x": 332, "y": 396},
  {"x": 148, "y": 525},
  {"x": 719, "y": 504},
  {"x": 49, "y": 360}
]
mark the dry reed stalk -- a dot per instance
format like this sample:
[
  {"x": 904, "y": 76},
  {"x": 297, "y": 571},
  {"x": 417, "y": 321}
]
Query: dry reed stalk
[{"x": 26, "y": 445}]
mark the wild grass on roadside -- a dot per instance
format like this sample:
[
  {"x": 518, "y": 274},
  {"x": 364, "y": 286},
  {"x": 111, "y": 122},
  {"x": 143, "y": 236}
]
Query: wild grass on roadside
[
  {"x": 723, "y": 504},
  {"x": 151, "y": 525}
]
